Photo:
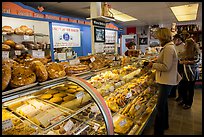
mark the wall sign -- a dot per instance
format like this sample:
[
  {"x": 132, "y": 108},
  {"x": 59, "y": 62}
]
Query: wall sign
[
  {"x": 38, "y": 54},
  {"x": 66, "y": 37},
  {"x": 99, "y": 23},
  {"x": 99, "y": 34}
]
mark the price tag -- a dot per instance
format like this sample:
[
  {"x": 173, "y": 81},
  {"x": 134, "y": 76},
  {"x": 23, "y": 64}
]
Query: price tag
[
  {"x": 26, "y": 37},
  {"x": 61, "y": 56},
  {"x": 69, "y": 54},
  {"x": 68, "y": 126},
  {"x": 17, "y": 52},
  {"x": 129, "y": 94},
  {"x": 94, "y": 108},
  {"x": 92, "y": 59},
  {"x": 74, "y": 61},
  {"x": 38, "y": 54},
  {"x": 137, "y": 107},
  {"x": 123, "y": 122},
  {"x": 7, "y": 124},
  {"x": 79, "y": 95},
  {"x": 5, "y": 54},
  {"x": 96, "y": 127}
]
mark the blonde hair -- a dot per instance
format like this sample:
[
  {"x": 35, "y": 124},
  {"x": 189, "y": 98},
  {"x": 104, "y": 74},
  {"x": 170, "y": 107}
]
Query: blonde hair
[
  {"x": 164, "y": 35},
  {"x": 191, "y": 49}
]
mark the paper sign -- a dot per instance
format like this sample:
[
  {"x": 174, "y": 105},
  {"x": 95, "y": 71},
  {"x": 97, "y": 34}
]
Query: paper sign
[
  {"x": 123, "y": 122},
  {"x": 79, "y": 95},
  {"x": 38, "y": 54},
  {"x": 137, "y": 107},
  {"x": 92, "y": 59},
  {"x": 7, "y": 124},
  {"x": 26, "y": 37},
  {"x": 96, "y": 127},
  {"x": 94, "y": 108},
  {"x": 129, "y": 94},
  {"x": 61, "y": 56},
  {"x": 68, "y": 126},
  {"x": 74, "y": 61},
  {"x": 17, "y": 52},
  {"x": 5, "y": 54}
]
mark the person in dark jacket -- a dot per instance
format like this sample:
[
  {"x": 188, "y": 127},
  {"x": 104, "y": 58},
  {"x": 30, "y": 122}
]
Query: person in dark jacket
[{"x": 190, "y": 72}]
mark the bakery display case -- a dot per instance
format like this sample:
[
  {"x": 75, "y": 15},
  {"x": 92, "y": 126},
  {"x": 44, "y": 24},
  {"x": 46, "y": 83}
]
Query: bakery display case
[{"x": 69, "y": 107}]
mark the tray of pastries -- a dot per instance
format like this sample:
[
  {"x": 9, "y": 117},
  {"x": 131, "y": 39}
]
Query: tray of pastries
[
  {"x": 38, "y": 112},
  {"x": 17, "y": 126}
]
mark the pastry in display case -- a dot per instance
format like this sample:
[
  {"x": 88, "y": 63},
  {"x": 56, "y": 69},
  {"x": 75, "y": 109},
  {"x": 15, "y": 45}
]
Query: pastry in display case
[{"x": 70, "y": 107}]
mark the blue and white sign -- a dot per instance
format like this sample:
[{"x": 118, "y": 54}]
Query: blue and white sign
[{"x": 66, "y": 36}]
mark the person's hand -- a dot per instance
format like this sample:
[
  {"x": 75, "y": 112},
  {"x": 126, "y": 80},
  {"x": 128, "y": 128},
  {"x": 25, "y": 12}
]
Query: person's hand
[
  {"x": 150, "y": 64},
  {"x": 183, "y": 62}
]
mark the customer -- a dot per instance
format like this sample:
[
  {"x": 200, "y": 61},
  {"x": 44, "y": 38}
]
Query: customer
[
  {"x": 166, "y": 77},
  {"x": 190, "y": 73},
  {"x": 179, "y": 46},
  {"x": 131, "y": 46}
]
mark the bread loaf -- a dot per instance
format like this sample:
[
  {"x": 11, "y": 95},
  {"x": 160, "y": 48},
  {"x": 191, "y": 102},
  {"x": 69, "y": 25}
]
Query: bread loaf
[
  {"x": 24, "y": 28},
  {"x": 7, "y": 29},
  {"x": 19, "y": 47},
  {"x": 19, "y": 31},
  {"x": 55, "y": 70},
  {"x": 6, "y": 75},
  {"x": 10, "y": 43},
  {"x": 6, "y": 47},
  {"x": 40, "y": 70},
  {"x": 22, "y": 76},
  {"x": 29, "y": 31}
]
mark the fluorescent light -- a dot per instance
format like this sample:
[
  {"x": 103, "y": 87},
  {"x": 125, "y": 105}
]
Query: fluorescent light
[
  {"x": 185, "y": 12},
  {"x": 121, "y": 16}
]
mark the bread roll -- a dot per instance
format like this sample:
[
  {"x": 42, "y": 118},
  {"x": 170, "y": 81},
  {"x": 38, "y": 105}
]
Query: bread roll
[
  {"x": 6, "y": 47},
  {"x": 29, "y": 31},
  {"x": 19, "y": 47},
  {"x": 10, "y": 43},
  {"x": 55, "y": 70},
  {"x": 24, "y": 28},
  {"x": 7, "y": 29},
  {"x": 22, "y": 76},
  {"x": 40, "y": 70},
  {"x": 19, "y": 31},
  {"x": 6, "y": 75}
]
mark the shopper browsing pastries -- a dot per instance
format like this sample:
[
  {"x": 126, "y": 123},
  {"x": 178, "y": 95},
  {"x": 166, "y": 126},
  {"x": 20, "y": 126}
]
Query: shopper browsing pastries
[
  {"x": 166, "y": 77},
  {"x": 131, "y": 46},
  {"x": 190, "y": 72},
  {"x": 179, "y": 46}
]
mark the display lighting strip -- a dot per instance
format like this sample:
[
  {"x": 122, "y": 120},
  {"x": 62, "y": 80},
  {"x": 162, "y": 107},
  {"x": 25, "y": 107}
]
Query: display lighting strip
[
  {"x": 185, "y": 12},
  {"x": 121, "y": 16}
]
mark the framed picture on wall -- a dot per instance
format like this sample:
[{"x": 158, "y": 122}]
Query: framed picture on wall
[
  {"x": 143, "y": 41},
  {"x": 99, "y": 34}
]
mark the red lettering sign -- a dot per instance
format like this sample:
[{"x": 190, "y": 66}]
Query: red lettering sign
[
  {"x": 38, "y": 15},
  {"x": 63, "y": 19},
  {"x": 6, "y": 10}
]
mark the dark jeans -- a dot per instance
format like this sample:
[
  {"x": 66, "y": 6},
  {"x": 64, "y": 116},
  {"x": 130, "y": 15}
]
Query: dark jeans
[
  {"x": 173, "y": 91},
  {"x": 161, "y": 119},
  {"x": 188, "y": 92}
]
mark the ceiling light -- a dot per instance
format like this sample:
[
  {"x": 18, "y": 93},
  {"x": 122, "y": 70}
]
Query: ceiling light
[
  {"x": 185, "y": 12},
  {"x": 121, "y": 16}
]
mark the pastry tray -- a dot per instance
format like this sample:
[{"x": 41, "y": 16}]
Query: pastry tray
[
  {"x": 82, "y": 73},
  {"x": 40, "y": 127},
  {"x": 26, "y": 123},
  {"x": 19, "y": 89},
  {"x": 99, "y": 69},
  {"x": 52, "y": 81}
]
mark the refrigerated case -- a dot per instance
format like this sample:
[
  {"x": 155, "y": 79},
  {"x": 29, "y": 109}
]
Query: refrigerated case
[{"x": 49, "y": 109}]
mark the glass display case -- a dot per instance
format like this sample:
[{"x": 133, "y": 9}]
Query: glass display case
[{"x": 71, "y": 107}]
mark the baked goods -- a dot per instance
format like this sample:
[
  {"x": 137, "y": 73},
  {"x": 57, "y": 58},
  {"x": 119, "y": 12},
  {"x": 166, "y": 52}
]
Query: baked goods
[
  {"x": 52, "y": 91},
  {"x": 80, "y": 89},
  {"x": 71, "y": 90},
  {"x": 69, "y": 97},
  {"x": 7, "y": 29},
  {"x": 56, "y": 100},
  {"x": 46, "y": 96},
  {"x": 6, "y": 47},
  {"x": 22, "y": 76},
  {"x": 23, "y": 27},
  {"x": 19, "y": 31},
  {"x": 76, "y": 69},
  {"x": 10, "y": 43},
  {"x": 64, "y": 64},
  {"x": 40, "y": 70},
  {"x": 6, "y": 75},
  {"x": 55, "y": 70},
  {"x": 19, "y": 47},
  {"x": 29, "y": 31},
  {"x": 61, "y": 94}
]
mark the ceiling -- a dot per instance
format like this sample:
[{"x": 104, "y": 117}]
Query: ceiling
[{"x": 147, "y": 13}]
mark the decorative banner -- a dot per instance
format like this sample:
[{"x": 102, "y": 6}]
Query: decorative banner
[{"x": 66, "y": 37}]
